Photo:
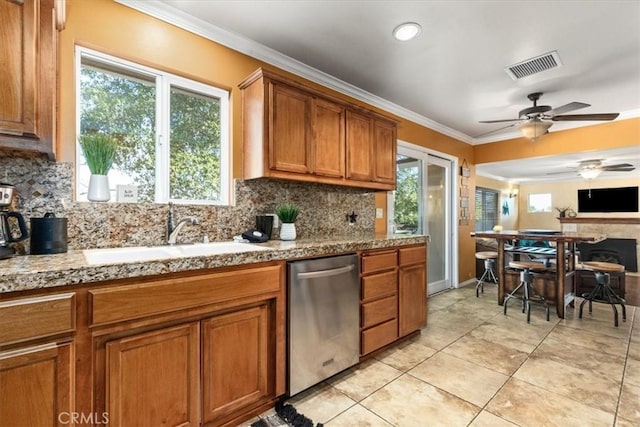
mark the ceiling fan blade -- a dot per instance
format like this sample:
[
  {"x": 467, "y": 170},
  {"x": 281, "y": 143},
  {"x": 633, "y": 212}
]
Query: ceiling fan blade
[
  {"x": 496, "y": 130},
  {"x": 625, "y": 169},
  {"x": 567, "y": 107},
  {"x": 562, "y": 172},
  {"x": 584, "y": 117},
  {"x": 618, "y": 166},
  {"x": 499, "y": 121}
]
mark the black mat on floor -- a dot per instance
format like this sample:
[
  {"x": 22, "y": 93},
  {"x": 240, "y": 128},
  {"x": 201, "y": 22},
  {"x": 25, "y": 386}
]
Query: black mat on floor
[{"x": 286, "y": 415}]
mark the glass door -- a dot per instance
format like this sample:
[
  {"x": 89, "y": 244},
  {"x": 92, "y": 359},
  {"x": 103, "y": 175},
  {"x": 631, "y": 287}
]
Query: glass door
[
  {"x": 421, "y": 204},
  {"x": 438, "y": 224}
]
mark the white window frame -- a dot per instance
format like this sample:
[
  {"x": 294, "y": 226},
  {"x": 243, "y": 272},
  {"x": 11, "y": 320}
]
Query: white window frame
[
  {"x": 164, "y": 82},
  {"x": 550, "y": 207}
]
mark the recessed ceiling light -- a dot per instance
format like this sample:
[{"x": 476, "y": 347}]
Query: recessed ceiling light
[{"x": 406, "y": 31}]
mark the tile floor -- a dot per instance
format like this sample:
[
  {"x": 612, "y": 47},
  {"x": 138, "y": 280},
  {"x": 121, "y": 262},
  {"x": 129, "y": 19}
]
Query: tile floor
[{"x": 473, "y": 366}]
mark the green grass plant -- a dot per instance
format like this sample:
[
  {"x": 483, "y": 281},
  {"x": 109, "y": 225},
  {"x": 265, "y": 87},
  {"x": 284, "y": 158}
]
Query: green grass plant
[
  {"x": 99, "y": 151},
  {"x": 287, "y": 212}
]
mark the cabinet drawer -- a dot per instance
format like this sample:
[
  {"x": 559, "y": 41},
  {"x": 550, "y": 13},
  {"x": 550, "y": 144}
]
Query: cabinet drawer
[
  {"x": 413, "y": 255},
  {"x": 379, "y": 311},
  {"x": 379, "y": 261},
  {"x": 164, "y": 296},
  {"x": 378, "y": 285},
  {"x": 30, "y": 318},
  {"x": 379, "y": 336}
]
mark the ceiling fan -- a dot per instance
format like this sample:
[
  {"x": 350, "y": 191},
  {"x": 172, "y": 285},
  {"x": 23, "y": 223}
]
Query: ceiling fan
[
  {"x": 535, "y": 121},
  {"x": 590, "y": 169}
]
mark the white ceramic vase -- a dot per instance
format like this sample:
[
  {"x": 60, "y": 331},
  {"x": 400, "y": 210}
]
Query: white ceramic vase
[
  {"x": 98, "y": 188},
  {"x": 288, "y": 231}
]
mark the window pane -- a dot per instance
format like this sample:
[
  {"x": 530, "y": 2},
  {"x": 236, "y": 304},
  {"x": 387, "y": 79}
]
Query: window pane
[
  {"x": 487, "y": 213},
  {"x": 122, "y": 106},
  {"x": 194, "y": 171},
  {"x": 408, "y": 193},
  {"x": 540, "y": 202}
]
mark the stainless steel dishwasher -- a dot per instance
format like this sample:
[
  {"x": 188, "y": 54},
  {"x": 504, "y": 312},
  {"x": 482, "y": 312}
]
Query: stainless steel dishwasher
[{"x": 324, "y": 313}]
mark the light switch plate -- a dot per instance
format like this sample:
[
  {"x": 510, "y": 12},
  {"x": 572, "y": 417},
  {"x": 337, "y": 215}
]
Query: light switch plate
[
  {"x": 570, "y": 228},
  {"x": 276, "y": 223},
  {"x": 379, "y": 213}
]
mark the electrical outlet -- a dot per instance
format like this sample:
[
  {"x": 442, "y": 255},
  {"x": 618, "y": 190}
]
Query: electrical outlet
[
  {"x": 276, "y": 223},
  {"x": 379, "y": 213}
]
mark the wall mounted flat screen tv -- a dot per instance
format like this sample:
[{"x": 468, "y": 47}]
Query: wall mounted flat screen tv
[{"x": 620, "y": 199}]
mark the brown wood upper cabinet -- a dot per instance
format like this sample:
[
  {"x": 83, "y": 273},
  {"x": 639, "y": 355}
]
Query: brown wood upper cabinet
[
  {"x": 371, "y": 149},
  {"x": 291, "y": 131},
  {"x": 28, "y": 75}
]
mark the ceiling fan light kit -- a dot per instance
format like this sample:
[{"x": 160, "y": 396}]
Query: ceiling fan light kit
[
  {"x": 534, "y": 129},
  {"x": 590, "y": 173}
]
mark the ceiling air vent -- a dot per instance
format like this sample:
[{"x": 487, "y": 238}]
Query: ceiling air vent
[{"x": 535, "y": 65}]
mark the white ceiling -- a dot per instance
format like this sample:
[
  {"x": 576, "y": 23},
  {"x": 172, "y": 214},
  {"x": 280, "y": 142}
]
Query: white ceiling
[
  {"x": 562, "y": 167},
  {"x": 452, "y": 75}
]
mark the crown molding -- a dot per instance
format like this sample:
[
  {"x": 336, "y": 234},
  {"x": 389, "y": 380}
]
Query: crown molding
[{"x": 164, "y": 12}]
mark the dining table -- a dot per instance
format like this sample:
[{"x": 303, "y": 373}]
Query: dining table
[{"x": 552, "y": 244}]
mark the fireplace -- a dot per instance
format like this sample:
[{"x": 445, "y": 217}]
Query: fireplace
[{"x": 617, "y": 251}]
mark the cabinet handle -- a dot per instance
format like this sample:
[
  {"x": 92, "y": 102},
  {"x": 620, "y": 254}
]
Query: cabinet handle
[{"x": 325, "y": 273}]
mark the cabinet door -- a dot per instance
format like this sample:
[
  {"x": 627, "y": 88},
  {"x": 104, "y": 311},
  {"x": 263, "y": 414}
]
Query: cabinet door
[
  {"x": 27, "y": 75},
  {"x": 36, "y": 386},
  {"x": 360, "y": 164},
  {"x": 328, "y": 138},
  {"x": 413, "y": 298},
  {"x": 235, "y": 360},
  {"x": 384, "y": 137},
  {"x": 152, "y": 378},
  {"x": 289, "y": 130}
]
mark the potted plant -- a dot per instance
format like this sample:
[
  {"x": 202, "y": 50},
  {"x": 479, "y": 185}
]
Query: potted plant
[
  {"x": 287, "y": 212},
  {"x": 99, "y": 151},
  {"x": 562, "y": 212}
]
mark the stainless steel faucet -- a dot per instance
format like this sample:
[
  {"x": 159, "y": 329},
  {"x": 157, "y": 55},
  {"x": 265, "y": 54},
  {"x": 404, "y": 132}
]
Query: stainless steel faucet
[{"x": 173, "y": 230}]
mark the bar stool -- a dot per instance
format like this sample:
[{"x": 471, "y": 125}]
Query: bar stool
[
  {"x": 603, "y": 291},
  {"x": 489, "y": 258},
  {"x": 526, "y": 283}
]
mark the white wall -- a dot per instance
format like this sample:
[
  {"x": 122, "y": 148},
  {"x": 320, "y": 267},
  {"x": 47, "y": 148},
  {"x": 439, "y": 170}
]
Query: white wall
[{"x": 565, "y": 194}]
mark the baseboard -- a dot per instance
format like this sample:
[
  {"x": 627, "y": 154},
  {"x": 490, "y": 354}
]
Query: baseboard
[{"x": 468, "y": 282}]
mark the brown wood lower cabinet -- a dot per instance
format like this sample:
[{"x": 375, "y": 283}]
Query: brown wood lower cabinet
[
  {"x": 393, "y": 293},
  {"x": 152, "y": 378},
  {"x": 235, "y": 369},
  {"x": 212, "y": 355},
  {"x": 36, "y": 385},
  {"x": 412, "y": 288}
]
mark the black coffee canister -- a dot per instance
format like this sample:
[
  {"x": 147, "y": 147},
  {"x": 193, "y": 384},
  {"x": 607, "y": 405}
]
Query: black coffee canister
[
  {"x": 264, "y": 223},
  {"x": 48, "y": 235}
]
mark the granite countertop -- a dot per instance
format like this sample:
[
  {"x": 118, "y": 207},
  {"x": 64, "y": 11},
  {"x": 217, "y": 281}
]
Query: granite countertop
[{"x": 28, "y": 272}]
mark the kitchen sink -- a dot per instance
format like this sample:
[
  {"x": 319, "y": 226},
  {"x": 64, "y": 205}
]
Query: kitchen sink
[{"x": 149, "y": 253}]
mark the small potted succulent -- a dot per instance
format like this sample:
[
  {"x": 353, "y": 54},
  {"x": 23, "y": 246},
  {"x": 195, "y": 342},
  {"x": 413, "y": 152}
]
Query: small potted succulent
[
  {"x": 287, "y": 212},
  {"x": 99, "y": 150}
]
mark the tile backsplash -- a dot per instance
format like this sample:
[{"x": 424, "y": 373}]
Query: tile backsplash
[{"x": 45, "y": 186}]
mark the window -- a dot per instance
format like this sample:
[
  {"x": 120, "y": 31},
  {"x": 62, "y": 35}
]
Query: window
[
  {"x": 487, "y": 213},
  {"x": 539, "y": 202},
  {"x": 173, "y": 132}
]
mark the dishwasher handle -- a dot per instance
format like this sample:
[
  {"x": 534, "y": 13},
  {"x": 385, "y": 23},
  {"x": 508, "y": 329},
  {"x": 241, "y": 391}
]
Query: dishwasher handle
[{"x": 325, "y": 273}]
